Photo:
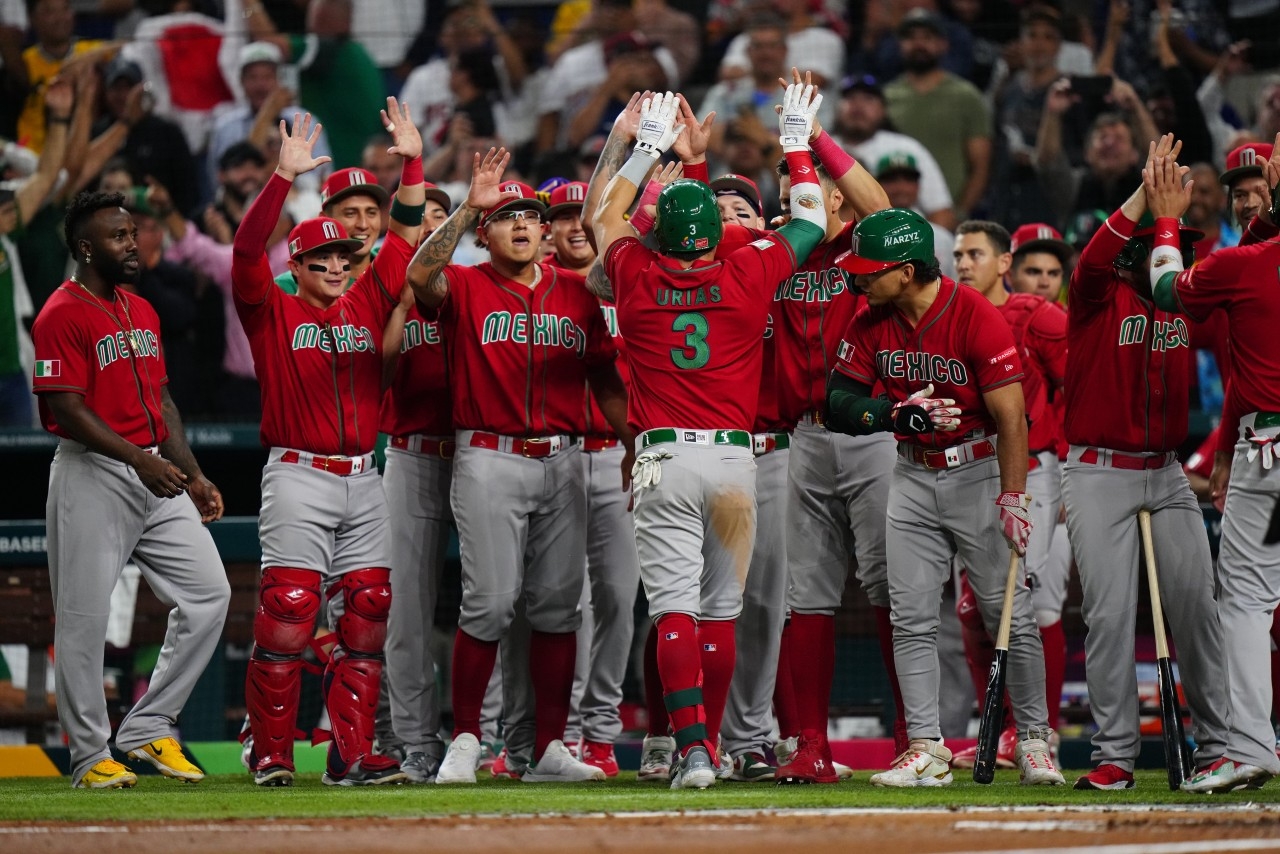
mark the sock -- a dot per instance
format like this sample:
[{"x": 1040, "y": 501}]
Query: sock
[
  {"x": 884, "y": 630},
  {"x": 1055, "y": 667},
  {"x": 680, "y": 666},
  {"x": 552, "y": 657},
  {"x": 473, "y": 661},
  {"x": 717, "y": 641},
  {"x": 813, "y": 664},
  {"x": 784, "y": 694},
  {"x": 659, "y": 720}
]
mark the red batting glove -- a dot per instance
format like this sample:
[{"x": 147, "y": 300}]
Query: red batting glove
[{"x": 1015, "y": 519}]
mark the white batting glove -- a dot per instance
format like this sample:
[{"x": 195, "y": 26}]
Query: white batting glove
[
  {"x": 943, "y": 411},
  {"x": 1015, "y": 519},
  {"x": 1266, "y": 445},
  {"x": 795, "y": 123},
  {"x": 658, "y": 128},
  {"x": 648, "y": 469}
]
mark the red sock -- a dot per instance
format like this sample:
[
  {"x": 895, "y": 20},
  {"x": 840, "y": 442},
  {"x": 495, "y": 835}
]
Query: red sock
[
  {"x": 813, "y": 664},
  {"x": 719, "y": 650},
  {"x": 472, "y": 666},
  {"x": 680, "y": 665},
  {"x": 884, "y": 630},
  {"x": 1054, "y": 640},
  {"x": 551, "y": 658},
  {"x": 784, "y": 694},
  {"x": 659, "y": 720}
]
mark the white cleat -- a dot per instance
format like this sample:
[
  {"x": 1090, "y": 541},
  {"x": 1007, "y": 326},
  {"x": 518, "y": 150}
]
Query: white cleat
[
  {"x": 844, "y": 772},
  {"x": 1035, "y": 760},
  {"x": 694, "y": 770},
  {"x": 925, "y": 763},
  {"x": 655, "y": 758},
  {"x": 460, "y": 762},
  {"x": 558, "y": 765}
]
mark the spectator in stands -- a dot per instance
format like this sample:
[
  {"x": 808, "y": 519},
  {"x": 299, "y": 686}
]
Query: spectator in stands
[
  {"x": 1213, "y": 102},
  {"x": 631, "y": 67},
  {"x": 53, "y": 25},
  {"x": 384, "y": 166},
  {"x": 861, "y": 129},
  {"x": 899, "y": 174},
  {"x": 943, "y": 111},
  {"x": 240, "y": 177},
  {"x": 882, "y": 51},
  {"x": 386, "y": 29},
  {"x": 13, "y": 70},
  {"x": 259, "y": 76},
  {"x": 988, "y": 25},
  {"x": 1208, "y": 211},
  {"x": 677, "y": 31},
  {"x": 1130, "y": 46},
  {"x": 1172, "y": 100},
  {"x": 809, "y": 45}
]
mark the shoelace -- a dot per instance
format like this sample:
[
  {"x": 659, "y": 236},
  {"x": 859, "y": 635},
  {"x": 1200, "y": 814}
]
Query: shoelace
[{"x": 908, "y": 757}]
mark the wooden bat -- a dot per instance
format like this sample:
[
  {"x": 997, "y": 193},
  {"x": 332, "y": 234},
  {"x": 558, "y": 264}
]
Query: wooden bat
[
  {"x": 1170, "y": 712},
  {"x": 984, "y": 765}
]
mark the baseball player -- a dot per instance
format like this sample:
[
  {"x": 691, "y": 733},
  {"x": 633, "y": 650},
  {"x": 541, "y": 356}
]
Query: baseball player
[
  {"x": 961, "y": 471},
  {"x": 694, "y": 330},
  {"x": 123, "y": 485},
  {"x": 1040, "y": 256},
  {"x": 416, "y": 482},
  {"x": 356, "y": 200},
  {"x": 524, "y": 338},
  {"x": 1123, "y": 425},
  {"x": 983, "y": 259},
  {"x": 1239, "y": 280},
  {"x": 323, "y": 523}
]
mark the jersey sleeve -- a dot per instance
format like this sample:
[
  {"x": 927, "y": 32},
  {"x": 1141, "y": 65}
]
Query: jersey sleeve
[
  {"x": 856, "y": 357},
  {"x": 62, "y": 354},
  {"x": 991, "y": 350},
  {"x": 382, "y": 282},
  {"x": 623, "y": 260},
  {"x": 1094, "y": 276},
  {"x": 1208, "y": 285},
  {"x": 762, "y": 263}
]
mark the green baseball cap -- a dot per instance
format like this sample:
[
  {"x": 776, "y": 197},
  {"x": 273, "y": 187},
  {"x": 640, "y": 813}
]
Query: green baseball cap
[
  {"x": 897, "y": 163},
  {"x": 886, "y": 239}
]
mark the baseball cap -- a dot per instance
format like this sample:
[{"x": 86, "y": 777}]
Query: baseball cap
[
  {"x": 123, "y": 69},
  {"x": 317, "y": 233},
  {"x": 1039, "y": 237},
  {"x": 437, "y": 195},
  {"x": 1147, "y": 228},
  {"x": 568, "y": 196},
  {"x": 738, "y": 185},
  {"x": 526, "y": 201},
  {"x": 349, "y": 182},
  {"x": 545, "y": 188},
  {"x": 621, "y": 44},
  {"x": 896, "y": 163},
  {"x": 861, "y": 83},
  {"x": 1245, "y": 161},
  {"x": 260, "y": 52},
  {"x": 922, "y": 18},
  {"x": 886, "y": 239}
]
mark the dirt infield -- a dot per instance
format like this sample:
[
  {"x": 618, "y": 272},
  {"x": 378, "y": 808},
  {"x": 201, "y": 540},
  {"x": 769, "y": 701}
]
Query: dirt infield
[{"x": 1097, "y": 830}]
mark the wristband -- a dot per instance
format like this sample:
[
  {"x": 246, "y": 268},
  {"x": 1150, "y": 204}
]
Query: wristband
[
  {"x": 637, "y": 166},
  {"x": 410, "y": 215},
  {"x": 698, "y": 172},
  {"x": 1167, "y": 232},
  {"x": 411, "y": 172},
  {"x": 835, "y": 159},
  {"x": 642, "y": 220}
]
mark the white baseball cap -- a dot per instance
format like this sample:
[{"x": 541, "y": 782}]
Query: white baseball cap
[{"x": 260, "y": 52}]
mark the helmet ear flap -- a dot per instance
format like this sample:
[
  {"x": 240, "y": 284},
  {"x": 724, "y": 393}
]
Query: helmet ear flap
[{"x": 1132, "y": 255}]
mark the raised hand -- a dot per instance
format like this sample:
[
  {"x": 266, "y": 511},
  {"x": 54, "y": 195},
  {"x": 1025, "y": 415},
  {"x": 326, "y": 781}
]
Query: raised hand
[
  {"x": 404, "y": 133},
  {"x": 1166, "y": 194},
  {"x": 628, "y": 121},
  {"x": 486, "y": 180},
  {"x": 815, "y": 129},
  {"x": 691, "y": 146},
  {"x": 1060, "y": 97},
  {"x": 658, "y": 128},
  {"x": 800, "y": 104},
  {"x": 296, "y": 146},
  {"x": 59, "y": 97}
]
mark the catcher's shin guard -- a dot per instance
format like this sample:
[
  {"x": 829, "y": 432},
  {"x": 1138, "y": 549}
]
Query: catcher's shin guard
[{"x": 353, "y": 676}]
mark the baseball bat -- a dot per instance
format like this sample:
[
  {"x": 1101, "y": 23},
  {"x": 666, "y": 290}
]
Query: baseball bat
[
  {"x": 1170, "y": 712},
  {"x": 984, "y": 765}
]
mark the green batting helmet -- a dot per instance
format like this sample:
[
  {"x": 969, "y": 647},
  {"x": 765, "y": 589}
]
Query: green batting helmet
[
  {"x": 886, "y": 239},
  {"x": 688, "y": 219}
]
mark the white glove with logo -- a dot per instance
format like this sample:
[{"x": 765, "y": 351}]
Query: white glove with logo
[
  {"x": 658, "y": 128},
  {"x": 648, "y": 469},
  {"x": 795, "y": 123},
  {"x": 942, "y": 411},
  {"x": 1264, "y": 445}
]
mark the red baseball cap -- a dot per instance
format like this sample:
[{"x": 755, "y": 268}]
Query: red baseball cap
[
  {"x": 739, "y": 185},
  {"x": 568, "y": 196},
  {"x": 1040, "y": 237},
  {"x": 317, "y": 233},
  {"x": 1245, "y": 161},
  {"x": 526, "y": 201},
  {"x": 438, "y": 195},
  {"x": 348, "y": 182}
]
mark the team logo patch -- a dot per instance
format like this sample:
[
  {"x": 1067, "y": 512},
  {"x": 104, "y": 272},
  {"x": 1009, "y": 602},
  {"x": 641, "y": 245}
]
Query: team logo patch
[
  {"x": 690, "y": 436},
  {"x": 695, "y": 243},
  {"x": 867, "y": 419},
  {"x": 1000, "y": 357},
  {"x": 48, "y": 368},
  {"x": 294, "y": 245},
  {"x": 845, "y": 351},
  {"x": 809, "y": 202}
]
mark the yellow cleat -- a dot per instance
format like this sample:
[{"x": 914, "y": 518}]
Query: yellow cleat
[
  {"x": 108, "y": 774},
  {"x": 166, "y": 755}
]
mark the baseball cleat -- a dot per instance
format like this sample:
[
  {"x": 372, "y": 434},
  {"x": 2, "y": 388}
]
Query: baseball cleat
[
  {"x": 1106, "y": 777},
  {"x": 926, "y": 763},
  {"x": 751, "y": 768},
  {"x": 600, "y": 754},
  {"x": 273, "y": 775},
  {"x": 419, "y": 768},
  {"x": 1035, "y": 761},
  {"x": 487, "y": 756},
  {"x": 724, "y": 763},
  {"x": 459, "y": 765},
  {"x": 810, "y": 762},
  {"x": 557, "y": 765},
  {"x": 694, "y": 770},
  {"x": 1224, "y": 776},
  {"x": 656, "y": 757},
  {"x": 166, "y": 755},
  {"x": 107, "y": 774},
  {"x": 369, "y": 770},
  {"x": 509, "y": 767},
  {"x": 785, "y": 749},
  {"x": 844, "y": 772},
  {"x": 1006, "y": 752}
]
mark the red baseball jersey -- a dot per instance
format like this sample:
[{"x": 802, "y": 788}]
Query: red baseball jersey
[
  {"x": 1129, "y": 364},
  {"x": 695, "y": 337},
  {"x": 596, "y": 425},
  {"x": 1039, "y": 330},
  {"x": 416, "y": 399},
  {"x": 108, "y": 352},
  {"x": 768, "y": 417},
  {"x": 961, "y": 345},
  {"x": 520, "y": 355},
  {"x": 320, "y": 369}
]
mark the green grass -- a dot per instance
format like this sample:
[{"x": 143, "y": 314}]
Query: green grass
[{"x": 233, "y": 796}]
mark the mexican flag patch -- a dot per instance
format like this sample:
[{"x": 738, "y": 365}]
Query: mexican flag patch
[{"x": 48, "y": 368}]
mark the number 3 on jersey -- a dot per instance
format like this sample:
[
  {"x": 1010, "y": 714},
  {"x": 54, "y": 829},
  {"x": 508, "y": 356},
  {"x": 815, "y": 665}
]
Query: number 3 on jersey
[{"x": 695, "y": 353}]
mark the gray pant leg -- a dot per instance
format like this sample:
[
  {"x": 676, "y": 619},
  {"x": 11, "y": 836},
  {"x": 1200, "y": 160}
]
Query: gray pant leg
[
  {"x": 748, "y": 720},
  {"x": 581, "y": 662},
  {"x": 519, "y": 724},
  {"x": 866, "y": 467},
  {"x": 818, "y": 536},
  {"x": 1047, "y": 577},
  {"x": 491, "y": 708}
]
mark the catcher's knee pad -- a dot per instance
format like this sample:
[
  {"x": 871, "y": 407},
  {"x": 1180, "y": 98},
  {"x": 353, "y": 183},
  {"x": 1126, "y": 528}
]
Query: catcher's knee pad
[
  {"x": 288, "y": 601},
  {"x": 967, "y": 610},
  {"x": 366, "y": 593}
]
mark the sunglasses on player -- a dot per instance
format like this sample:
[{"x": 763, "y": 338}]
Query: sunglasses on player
[{"x": 513, "y": 216}]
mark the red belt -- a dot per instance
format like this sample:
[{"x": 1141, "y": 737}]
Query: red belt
[
  {"x": 946, "y": 458},
  {"x": 341, "y": 466},
  {"x": 591, "y": 444},
  {"x": 543, "y": 446},
  {"x": 1118, "y": 460},
  {"x": 418, "y": 444}
]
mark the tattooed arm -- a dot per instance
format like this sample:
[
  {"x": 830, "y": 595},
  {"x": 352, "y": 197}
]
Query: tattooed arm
[
  {"x": 598, "y": 281},
  {"x": 615, "y": 152}
]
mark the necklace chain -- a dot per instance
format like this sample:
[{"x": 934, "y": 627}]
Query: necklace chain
[{"x": 130, "y": 334}]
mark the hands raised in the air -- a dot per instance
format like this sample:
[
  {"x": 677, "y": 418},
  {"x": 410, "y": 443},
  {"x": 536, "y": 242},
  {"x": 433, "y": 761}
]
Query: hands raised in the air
[
  {"x": 658, "y": 124},
  {"x": 407, "y": 141},
  {"x": 486, "y": 180},
  {"x": 296, "y": 145}
]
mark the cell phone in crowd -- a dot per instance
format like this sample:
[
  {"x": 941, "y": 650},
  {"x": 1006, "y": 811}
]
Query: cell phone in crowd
[{"x": 1091, "y": 86}]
